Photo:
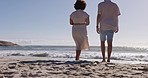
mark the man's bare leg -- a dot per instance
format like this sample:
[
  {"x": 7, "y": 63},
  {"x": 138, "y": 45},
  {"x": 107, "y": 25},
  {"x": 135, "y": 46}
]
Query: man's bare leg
[
  {"x": 103, "y": 50},
  {"x": 109, "y": 50}
]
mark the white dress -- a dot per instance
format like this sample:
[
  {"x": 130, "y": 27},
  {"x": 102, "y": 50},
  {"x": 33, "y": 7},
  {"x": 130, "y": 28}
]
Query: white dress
[{"x": 79, "y": 32}]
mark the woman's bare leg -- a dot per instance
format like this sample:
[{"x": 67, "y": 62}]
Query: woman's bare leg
[{"x": 78, "y": 52}]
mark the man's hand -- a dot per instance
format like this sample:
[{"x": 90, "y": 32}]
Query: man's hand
[
  {"x": 117, "y": 29},
  {"x": 98, "y": 30}
]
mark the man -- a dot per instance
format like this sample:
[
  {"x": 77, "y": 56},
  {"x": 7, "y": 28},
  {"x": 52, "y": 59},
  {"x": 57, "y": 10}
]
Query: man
[{"x": 107, "y": 24}]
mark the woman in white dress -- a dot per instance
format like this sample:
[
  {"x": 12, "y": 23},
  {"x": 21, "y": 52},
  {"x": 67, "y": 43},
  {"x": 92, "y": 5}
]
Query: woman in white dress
[{"x": 79, "y": 21}]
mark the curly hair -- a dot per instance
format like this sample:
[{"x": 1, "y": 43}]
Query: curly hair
[{"x": 80, "y": 5}]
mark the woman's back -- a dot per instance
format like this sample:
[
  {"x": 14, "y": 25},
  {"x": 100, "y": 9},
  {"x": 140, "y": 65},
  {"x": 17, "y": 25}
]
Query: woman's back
[{"x": 79, "y": 16}]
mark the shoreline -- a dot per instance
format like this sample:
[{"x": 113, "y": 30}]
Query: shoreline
[
  {"x": 46, "y": 68},
  {"x": 33, "y": 58}
]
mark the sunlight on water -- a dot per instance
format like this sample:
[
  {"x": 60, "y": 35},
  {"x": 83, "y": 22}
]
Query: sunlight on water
[{"x": 137, "y": 55}]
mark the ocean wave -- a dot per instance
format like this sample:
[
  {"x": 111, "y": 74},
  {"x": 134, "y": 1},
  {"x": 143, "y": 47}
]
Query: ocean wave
[
  {"x": 70, "y": 48},
  {"x": 16, "y": 54},
  {"x": 39, "y": 55},
  {"x": 68, "y": 52},
  {"x": 86, "y": 55}
]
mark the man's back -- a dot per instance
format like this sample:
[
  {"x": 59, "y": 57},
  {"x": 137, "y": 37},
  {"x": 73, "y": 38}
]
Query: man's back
[{"x": 109, "y": 12}]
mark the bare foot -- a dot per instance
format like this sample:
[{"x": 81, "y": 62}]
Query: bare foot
[
  {"x": 103, "y": 61},
  {"x": 77, "y": 59},
  {"x": 108, "y": 60}
]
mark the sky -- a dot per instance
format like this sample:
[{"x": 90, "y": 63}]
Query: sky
[{"x": 47, "y": 22}]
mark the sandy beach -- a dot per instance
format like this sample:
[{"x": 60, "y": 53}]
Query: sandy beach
[{"x": 31, "y": 68}]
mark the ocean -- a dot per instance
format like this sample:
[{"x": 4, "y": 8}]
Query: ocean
[{"x": 130, "y": 55}]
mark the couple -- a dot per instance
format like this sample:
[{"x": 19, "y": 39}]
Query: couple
[{"x": 107, "y": 24}]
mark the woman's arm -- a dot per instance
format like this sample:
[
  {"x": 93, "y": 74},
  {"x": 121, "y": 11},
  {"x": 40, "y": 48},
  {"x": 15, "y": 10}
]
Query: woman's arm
[
  {"x": 87, "y": 21},
  {"x": 71, "y": 22}
]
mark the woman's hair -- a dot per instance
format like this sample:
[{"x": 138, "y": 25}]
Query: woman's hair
[{"x": 80, "y": 5}]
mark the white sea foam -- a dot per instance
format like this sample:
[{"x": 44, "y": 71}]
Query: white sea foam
[{"x": 126, "y": 54}]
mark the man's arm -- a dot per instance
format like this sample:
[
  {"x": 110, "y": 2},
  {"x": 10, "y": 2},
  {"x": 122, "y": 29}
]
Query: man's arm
[
  {"x": 98, "y": 21},
  {"x": 117, "y": 27},
  {"x": 118, "y": 13}
]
